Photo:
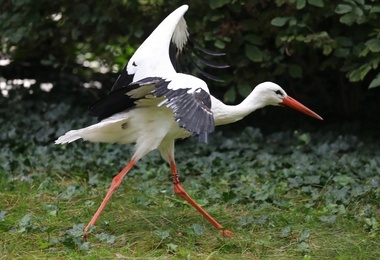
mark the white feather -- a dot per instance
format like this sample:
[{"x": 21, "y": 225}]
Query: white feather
[
  {"x": 151, "y": 58},
  {"x": 146, "y": 126},
  {"x": 184, "y": 81},
  {"x": 180, "y": 34}
]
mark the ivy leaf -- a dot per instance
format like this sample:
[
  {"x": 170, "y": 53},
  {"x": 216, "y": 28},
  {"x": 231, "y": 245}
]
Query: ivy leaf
[
  {"x": 253, "y": 53},
  {"x": 110, "y": 239},
  {"x": 348, "y": 19},
  {"x": 279, "y": 21},
  {"x": 286, "y": 231},
  {"x": 317, "y": 3},
  {"x": 327, "y": 49},
  {"x": 343, "y": 9},
  {"x": 303, "y": 247},
  {"x": 215, "y": 18},
  {"x": 51, "y": 209},
  {"x": 343, "y": 180},
  {"x": 375, "y": 9},
  {"x": 198, "y": 229},
  {"x": 375, "y": 82},
  {"x": 300, "y": 4},
  {"x": 172, "y": 248},
  {"x": 69, "y": 192},
  {"x": 85, "y": 246},
  {"x": 76, "y": 231},
  {"x": 373, "y": 45},
  {"x": 219, "y": 44},
  {"x": 358, "y": 11},
  {"x": 25, "y": 224},
  {"x": 162, "y": 234},
  {"x": 304, "y": 235},
  {"x": 360, "y": 73},
  {"x": 328, "y": 219}
]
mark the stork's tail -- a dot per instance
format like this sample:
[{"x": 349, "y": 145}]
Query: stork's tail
[
  {"x": 109, "y": 130},
  {"x": 69, "y": 137}
]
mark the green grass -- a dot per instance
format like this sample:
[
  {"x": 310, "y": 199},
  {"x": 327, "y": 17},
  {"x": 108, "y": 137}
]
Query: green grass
[{"x": 164, "y": 227}]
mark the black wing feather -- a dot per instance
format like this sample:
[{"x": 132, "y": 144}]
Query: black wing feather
[
  {"x": 210, "y": 63},
  {"x": 123, "y": 80},
  {"x": 204, "y": 73},
  {"x": 192, "y": 111},
  {"x": 117, "y": 99},
  {"x": 183, "y": 60},
  {"x": 195, "y": 44}
]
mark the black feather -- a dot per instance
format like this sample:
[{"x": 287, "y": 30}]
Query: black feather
[
  {"x": 123, "y": 80},
  {"x": 117, "y": 99},
  {"x": 207, "y": 75},
  {"x": 192, "y": 111},
  {"x": 210, "y": 63},
  {"x": 182, "y": 61},
  {"x": 193, "y": 43}
]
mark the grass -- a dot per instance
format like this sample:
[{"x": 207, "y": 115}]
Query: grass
[{"x": 167, "y": 228}]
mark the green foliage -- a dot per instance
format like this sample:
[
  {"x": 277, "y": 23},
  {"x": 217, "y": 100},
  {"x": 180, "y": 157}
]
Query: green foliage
[
  {"x": 328, "y": 48},
  {"x": 303, "y": 193},
  {"x": 353, "y": 54}
]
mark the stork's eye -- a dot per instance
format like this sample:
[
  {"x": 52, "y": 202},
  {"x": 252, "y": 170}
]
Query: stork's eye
[{"x": 279, "y": 92}]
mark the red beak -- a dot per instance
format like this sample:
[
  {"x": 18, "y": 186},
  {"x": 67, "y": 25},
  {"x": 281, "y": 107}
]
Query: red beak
[{"x": 292, "y": 103}]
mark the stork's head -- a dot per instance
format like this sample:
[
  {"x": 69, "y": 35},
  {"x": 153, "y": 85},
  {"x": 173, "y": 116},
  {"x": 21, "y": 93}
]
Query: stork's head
[{"x": 272, "y": 94}]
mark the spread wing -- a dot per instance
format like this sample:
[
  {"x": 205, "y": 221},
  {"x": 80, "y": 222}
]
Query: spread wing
[{"x": 191, "y": 106}]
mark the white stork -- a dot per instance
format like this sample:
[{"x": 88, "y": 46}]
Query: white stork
[{"x": 162, "y": 105}]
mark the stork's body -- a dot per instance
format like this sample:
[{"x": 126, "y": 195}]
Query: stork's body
[{"x": 152, "y": 105}]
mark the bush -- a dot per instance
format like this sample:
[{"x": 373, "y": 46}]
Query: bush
[{"x": 330, "y": 49}]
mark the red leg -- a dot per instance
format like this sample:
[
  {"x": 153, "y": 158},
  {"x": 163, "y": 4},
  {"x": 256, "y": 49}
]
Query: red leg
[
  {"x": 116, "y": 181},
  {"x": 181, "y": 192}
]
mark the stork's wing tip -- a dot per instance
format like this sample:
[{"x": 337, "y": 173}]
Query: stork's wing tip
[{"x": 203, "y": 137}]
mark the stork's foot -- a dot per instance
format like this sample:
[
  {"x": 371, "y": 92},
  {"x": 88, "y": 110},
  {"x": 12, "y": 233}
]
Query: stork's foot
[
  {"x": 85, "y": 236},
  {"x": 226, "y": 233}
]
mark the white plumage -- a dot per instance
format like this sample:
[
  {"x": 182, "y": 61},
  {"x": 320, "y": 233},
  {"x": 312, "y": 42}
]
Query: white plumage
[
  {"x": 152, "y": 105},
  {"x": 152, "y": 57}
]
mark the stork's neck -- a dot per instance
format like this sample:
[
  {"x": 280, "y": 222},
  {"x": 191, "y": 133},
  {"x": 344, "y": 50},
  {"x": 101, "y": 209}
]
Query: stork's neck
[{"x": 226, "y": 114}]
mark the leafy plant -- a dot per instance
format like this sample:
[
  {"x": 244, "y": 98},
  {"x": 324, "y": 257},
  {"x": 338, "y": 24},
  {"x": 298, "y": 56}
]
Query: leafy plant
[
  {"x": 296, "y": 43},
  {"x": 357, "y": 52}
]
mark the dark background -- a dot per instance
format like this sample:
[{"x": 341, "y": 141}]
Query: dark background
[{"x": 323, "y": 54}]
